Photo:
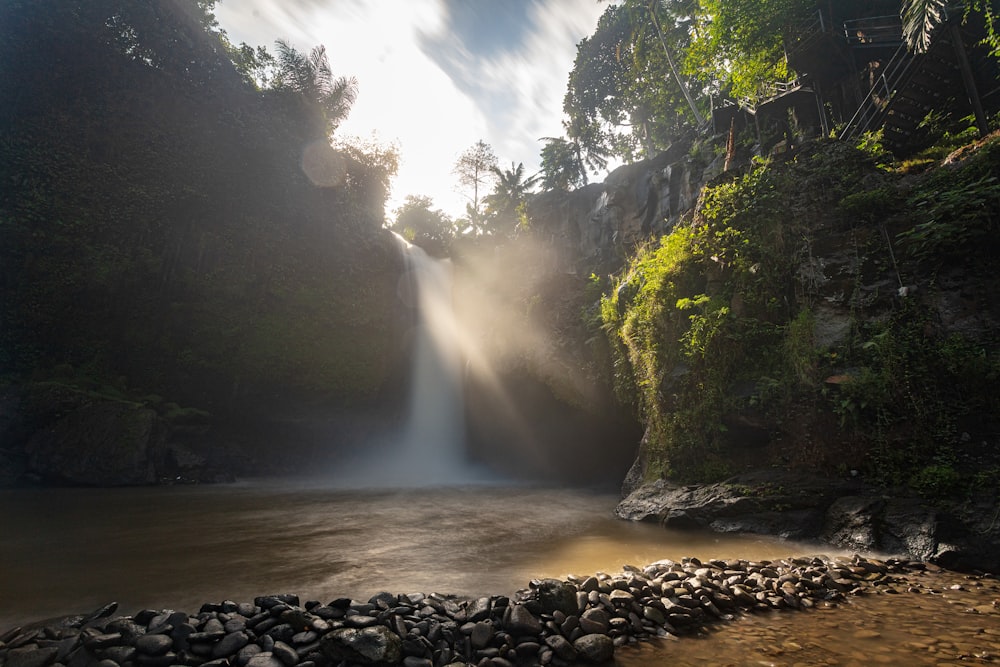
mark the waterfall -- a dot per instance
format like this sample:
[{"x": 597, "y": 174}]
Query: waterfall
[
  {"x": 429, "y": 449},
  {"x": 432, "y": 444}
]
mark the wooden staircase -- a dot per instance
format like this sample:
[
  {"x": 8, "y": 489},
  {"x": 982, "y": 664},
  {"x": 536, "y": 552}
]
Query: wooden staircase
[{"x": 910, "y": 85}]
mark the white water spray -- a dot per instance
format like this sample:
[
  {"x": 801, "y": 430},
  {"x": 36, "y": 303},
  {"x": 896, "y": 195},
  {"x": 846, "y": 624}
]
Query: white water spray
[{"x": 430, "y": 449}]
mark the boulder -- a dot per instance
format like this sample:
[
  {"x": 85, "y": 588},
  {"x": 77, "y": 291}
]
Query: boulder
[
  {"x": 366, "y": 646},
  {"x": 101, "y": 443}
]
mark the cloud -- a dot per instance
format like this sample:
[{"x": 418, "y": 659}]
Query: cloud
[{"x": 436, "y": 76}]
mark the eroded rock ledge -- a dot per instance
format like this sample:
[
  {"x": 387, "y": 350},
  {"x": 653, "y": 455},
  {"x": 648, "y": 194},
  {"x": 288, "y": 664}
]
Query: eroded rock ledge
[
  {"x": 844, "y": 513},
  {"x": 579, "y": 620}
]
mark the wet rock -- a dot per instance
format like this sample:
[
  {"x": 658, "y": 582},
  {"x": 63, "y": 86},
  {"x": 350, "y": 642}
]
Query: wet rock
[
  {"x": 561, "y": 647},
  {"x": 230, "y": 644},
  {"x": 31, "y": 656},
  {"x": 367, "y": 646},
  {"x": 552, "y": 595},
  {"x": 153, "y": 644},
  {"x": 264, "y": 659},
  {"x": 520, "y": 621},
  {"x": 595, "y": 620},
  {"x": 595, "y": 648}
]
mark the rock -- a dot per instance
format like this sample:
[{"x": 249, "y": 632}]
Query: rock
[
  {"x": 101, "y": 443},
  {"x": 230, "y": 644},
  {"x": 153, "y": 644},
  {"x": 366, "y": 646},
  {"x": 478, "y": 609},
  {"x": 31, "y": 657},
  {"x": 482, "y": 633},
  {"x": 595, "y": 648},
  {"x": 264, "y": 659},
  {"x": 520, "y": 621},
  {"x": 561, "y": 647},
  {"x": 595, "y": 621},
  {"x": 552, "y": 595},
  {"x": 285, "y": 653}
]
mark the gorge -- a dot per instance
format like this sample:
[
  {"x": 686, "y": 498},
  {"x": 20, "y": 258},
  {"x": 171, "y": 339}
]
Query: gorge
[{"x": 756, "y": 349}]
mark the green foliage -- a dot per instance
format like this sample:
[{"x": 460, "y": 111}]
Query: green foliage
[
  {"x": 956, "y": 212},
  {"x": 914, "y": 390},
  {"x": 716, "y": 321},
  {"x": 681, "y": 351},
  {"x": 475, "y": 171},
  {"x": 562, "y": 165},
  {"x": 506, "y": 205},
  {"x": 419, "y": 223},
  {"x": 938, "y": 480},
  {"x": 310, "y": 76},
  {"x": 157, "y": 227},
  {"x": 739, "y": 46},
  {"x": 623, "y": 97}
]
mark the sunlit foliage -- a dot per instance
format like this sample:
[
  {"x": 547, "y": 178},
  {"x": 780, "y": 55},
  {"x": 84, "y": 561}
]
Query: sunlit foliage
[
  {"x": 310, "y": 76},
  {"x": 505, "y": 205},
  {"x": 623, "y": 97},
  {"x": 562, "y": 164}
]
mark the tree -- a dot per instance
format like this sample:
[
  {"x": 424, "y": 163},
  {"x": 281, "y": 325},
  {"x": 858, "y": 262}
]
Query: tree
[
  {"x": 418, "y": 222},
  {"x": 509, "y": 194},
  {"x": 381, "y": 160},
  {"x": 626, "y": 95},
  {"x": 256, "y": 65},
  {"x": 474, "y": 170},
  {"x": 562, "y": 164},
  {"x": 311, "y": 77}
]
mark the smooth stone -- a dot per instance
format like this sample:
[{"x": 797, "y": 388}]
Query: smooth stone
[
  {"x": 230, "y": 644},
  {"x": 481, "y": 634},
  {"x": 103, "y": 641},
  {"x": 244, "y": 655},
  {"x": 28, "y": 656},
  {"x": 561, "y": 646},
  {"x": 265, "y": 659},
  {"x": 520, "y": 621},
  {"x": 153, "y": 644},
  {"x": 478, "y": 610},
  {"x": 595, "y": 648},
  {"x": 595, "y": 621},
  {"x": 367, "y": 646},
  {"x": 285, "y": 653}
]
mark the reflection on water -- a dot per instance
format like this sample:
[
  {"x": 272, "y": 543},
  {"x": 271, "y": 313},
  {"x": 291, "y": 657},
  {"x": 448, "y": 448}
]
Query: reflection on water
[
  {"x": 70, "y": 550},
  {"x": 933, "y": 624}
]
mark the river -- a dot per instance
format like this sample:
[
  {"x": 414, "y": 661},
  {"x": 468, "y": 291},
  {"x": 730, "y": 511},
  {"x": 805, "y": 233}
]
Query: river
[{"x": 67, "y": 551}]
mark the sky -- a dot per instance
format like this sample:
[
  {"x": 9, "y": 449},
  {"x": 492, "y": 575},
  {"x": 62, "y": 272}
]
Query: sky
[{"x": 436, "y": 76}]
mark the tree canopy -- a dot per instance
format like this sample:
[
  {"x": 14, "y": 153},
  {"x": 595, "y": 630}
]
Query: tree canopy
[{"x": 474, "y": 170}]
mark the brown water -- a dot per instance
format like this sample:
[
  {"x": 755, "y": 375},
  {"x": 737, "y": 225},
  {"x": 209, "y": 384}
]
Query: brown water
[
  {"x": 65, "y": 551},
  {"x": 929, "y": 625}
]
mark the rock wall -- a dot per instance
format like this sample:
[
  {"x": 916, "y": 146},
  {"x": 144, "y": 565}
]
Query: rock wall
[
  {"x": 845, "y": 513},
  {"x": 596, "y": 226}
]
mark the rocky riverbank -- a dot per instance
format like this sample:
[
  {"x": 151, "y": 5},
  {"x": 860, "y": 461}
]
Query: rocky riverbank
[
  {"x": 844, "y": 513},
  {"x": 559, "y": 622}
]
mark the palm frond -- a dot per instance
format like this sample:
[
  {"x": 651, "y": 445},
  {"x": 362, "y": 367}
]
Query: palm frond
[{"x": 920, "y": 17}]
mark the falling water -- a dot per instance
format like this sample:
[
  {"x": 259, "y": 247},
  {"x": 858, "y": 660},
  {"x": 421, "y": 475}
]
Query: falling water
[
  {"x": 430, "y": 448},
  {"x": 433, "y": 441}
]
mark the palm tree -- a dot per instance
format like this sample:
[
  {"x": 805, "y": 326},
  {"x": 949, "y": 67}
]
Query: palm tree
[
  {"x": 509, "y": 193},
  {"x": 311, "y": 76},
  {"x": 562, "y": 164}
]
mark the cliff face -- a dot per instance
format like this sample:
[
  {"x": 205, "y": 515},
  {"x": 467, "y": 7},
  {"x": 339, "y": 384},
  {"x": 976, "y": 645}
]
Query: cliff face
[
  {"x": 594, "y": 228},
  {"x": 821, "y": 314}
]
